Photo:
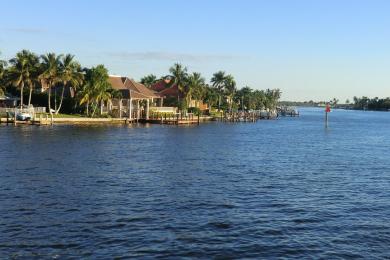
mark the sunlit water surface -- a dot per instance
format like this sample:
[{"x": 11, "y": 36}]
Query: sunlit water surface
[{"x": 279, "y": 188}]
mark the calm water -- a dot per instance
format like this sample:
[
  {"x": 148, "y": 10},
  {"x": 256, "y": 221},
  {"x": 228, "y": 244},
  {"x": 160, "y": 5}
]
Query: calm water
[{"x": 285, "y": 188}]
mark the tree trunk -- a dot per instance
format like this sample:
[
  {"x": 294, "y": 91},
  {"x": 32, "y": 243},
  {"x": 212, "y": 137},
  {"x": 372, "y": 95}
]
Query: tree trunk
[
  {"x": 87, "y": 108},
  {"x": 55, "y": 98},
  {"x": 94, "y": 110},
  {"x": 62, "y": 98},
  {"x": 21, "y": 95},
  {"x": 29, "y": 97},
  {"x": 49, "y": 97}
]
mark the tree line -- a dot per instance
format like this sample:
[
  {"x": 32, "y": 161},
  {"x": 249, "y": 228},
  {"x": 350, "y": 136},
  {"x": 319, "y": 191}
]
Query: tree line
[
  {"x": 365, "y": 103},
  {"x": 220, "y": 93},
  {"x": 54, "y": 73},
  {"x": 28, "y": 71}
]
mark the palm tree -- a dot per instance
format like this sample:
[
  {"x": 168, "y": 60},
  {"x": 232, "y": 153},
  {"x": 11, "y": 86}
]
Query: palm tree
[
  {"x": 35, "y": 67},
  {"x": 272, "y": 97},
  {"x": 211, "y": 96},
  {"x": 179, "y": 78},
  {"x": 149, "y": 80},
  {"x": 194, "y": 87},
  {"x": 50, "y": 73},
  {"x": 23, "y": 71},
  {"x": 71, "y": 75},
  {"x": 243, "y": 96},
  {"x": 96, "y": 89},
  {"x": 3, "y": 65},
  {"x": 218, "y": 80},
  {"x": 230, "y": 89}
]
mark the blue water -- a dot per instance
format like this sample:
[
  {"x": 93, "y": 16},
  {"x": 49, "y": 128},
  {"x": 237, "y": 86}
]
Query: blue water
[{"x": 280, "y": 188}]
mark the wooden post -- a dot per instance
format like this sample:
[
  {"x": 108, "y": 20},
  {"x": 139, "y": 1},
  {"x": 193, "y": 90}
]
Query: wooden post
[
  {"x": 147, "y": 109},
  {"x": 138, "y": 112},
  {"x": 51, "y": 120},
  {"x": 198, "y": 118},
  {"x": 130, "y": 109},
  {"x": 15, "y": 116},
  {"x": 120, "y": 108},
  {"x": 7, "y": 118}
]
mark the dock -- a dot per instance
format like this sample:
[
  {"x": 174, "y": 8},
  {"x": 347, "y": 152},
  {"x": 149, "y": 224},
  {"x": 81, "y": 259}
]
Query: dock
[
  {"x": 154, "y": 118},
  {"x": 74, "y": 120}
]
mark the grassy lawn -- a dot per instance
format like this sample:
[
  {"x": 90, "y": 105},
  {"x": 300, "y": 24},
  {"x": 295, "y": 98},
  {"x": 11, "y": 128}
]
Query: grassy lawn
[
  {"x": 61, "y": 115},
  {"x": 67, "y": 116}
]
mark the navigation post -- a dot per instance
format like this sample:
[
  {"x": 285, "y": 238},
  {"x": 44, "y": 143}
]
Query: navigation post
[{"x": 327, "y": 110}]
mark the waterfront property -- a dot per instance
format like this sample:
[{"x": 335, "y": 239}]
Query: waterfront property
[
  {"x": 170, "y": 91},
  {"x": 136, "y": 100}
]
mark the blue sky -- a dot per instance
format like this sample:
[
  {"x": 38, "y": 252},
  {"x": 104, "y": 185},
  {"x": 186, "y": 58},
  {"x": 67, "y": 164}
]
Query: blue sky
[{"x": 310, "y": 49}]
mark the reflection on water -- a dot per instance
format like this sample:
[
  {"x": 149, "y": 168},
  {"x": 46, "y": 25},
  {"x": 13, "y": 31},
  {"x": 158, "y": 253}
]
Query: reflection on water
[{"x": 279, "y": 188}]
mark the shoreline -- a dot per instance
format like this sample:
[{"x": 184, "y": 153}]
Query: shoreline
[{"x": 99, "y": 121}]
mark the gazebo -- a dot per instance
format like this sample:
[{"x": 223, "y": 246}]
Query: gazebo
[{"x": 132, "y": 93}]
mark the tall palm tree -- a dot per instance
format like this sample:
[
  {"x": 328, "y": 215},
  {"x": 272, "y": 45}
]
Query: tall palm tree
[
  {"x": 23, "y": 71},
  {"x": 96, "y": 89},
  {"x": 243, "y": 96},
  {"x": 230, "y": 89},
  {"x": 218, "y": 82},
  {"x": 194, "y": 87},
  {"x": 50, "y": 73},
  {"x": 35, "y": 69},
  {"x": 149, "y": 80},
  {"x": 179, "y": 78},
  {"x": 71, "y": 75}
]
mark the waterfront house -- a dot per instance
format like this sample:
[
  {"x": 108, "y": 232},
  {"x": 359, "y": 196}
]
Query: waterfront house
[
  {"x": 135, "y": 102},
  {"x": 171, "y": 92}
]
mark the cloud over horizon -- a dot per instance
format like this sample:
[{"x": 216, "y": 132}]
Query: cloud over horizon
[
  {"x": 25, "y": 30},
  {"x": 170, "y": 56}
]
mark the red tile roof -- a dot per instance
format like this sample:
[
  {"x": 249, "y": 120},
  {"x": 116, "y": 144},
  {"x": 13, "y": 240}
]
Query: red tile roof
[
  {"x": 129, "y": 86},
  {"x": 165, "y": 89}
]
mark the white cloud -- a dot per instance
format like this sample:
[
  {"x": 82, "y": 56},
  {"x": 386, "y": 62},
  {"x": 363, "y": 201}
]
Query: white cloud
[
  {"x": 26, "y": 30},
  {"x": 170, "y": 56}
]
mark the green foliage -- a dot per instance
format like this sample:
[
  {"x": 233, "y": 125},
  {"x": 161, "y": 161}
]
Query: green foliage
[
  {"x": 91, "y": 86},
  {"x": 3, "y": 66},
  {"x": 365, "y": 103},
  {"x": 96, "y": 89},
  {"x": 23, "y": 72},
  {"x": 149, "y": 80},
  {"x": 194, "y": 110},
  {"x": 179, "y": 77},
  {"x": 50, "y": 73},
  {"x": 71, "y": 76}
]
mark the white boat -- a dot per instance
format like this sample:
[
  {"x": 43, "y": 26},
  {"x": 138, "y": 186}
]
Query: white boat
[{"x": 23, "y": 116}]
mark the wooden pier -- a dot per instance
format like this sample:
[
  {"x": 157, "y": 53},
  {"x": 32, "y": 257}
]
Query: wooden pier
[
  {"x": 46, "y": 120},
  {"x": 246, "y": 117},
  {"x": 174, "y": 119},
  {"x": 154, "y": 118}
]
